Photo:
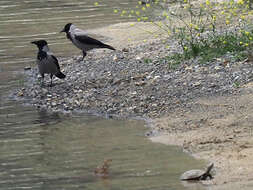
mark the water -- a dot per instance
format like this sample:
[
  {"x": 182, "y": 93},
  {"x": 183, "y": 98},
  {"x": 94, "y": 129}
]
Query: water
[
  {"x": 53, "y": 152},
  {"x": 41, "y": 150},
  {"x": 22, "y": 21}
]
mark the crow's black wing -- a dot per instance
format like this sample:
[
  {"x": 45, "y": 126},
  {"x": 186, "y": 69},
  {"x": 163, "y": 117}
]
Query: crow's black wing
[
  {"x": 88, "y": 40},
  {"x": 56, "y": 62}
]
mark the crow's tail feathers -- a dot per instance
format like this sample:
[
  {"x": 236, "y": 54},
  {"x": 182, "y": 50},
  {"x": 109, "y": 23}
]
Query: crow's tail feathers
[
  {"x": 108, "y": 46},
  {"x": 60, "y": 75}
]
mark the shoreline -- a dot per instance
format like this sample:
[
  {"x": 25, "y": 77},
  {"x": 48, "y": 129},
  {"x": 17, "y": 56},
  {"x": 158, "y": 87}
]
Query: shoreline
[
  {"x": 193, "y": 106},
  {"x": 223, "y": 140}
]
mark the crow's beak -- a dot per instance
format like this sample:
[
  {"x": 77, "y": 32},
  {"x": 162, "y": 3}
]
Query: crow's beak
[
  {"x": 34, "y": 42},
  {"x": 62, "y": 30}
]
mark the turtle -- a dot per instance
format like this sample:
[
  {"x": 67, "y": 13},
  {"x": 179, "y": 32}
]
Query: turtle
[{"x": 198, "y": 174}]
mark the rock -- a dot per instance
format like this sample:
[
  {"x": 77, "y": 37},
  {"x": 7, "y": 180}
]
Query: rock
[
  {"x": 115, "y": 58},
  {"x": 141, "y": 83},
  {"x": 27, "y": 68},
  {"x": 44, "y": 91},
  {"x": 125, "y": 50},
  {"x": 138, "y": 58},
  {"x": 189, "y": 68},
  {"x": 20, "y": 93},
  {"x": 195, "y": 84},
  {"x": 218, "y": 68}
]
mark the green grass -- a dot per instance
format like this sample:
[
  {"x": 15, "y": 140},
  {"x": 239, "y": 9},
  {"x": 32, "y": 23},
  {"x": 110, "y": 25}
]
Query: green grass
[
  {"x": 236, "y": 84},
  {"x": 147, "y": 60},
  {"x": 212, "y": 48}
]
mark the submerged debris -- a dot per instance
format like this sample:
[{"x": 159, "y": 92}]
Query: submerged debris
[{"x": 103, "y": 171}]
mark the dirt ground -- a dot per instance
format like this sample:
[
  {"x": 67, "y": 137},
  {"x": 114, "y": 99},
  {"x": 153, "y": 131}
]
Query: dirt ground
[
  {"x": 122, "y": 35},
  {"x": 219, "y": 130}
]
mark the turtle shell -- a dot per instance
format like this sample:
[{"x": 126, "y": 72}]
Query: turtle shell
[{"x": 192, "y": 175}]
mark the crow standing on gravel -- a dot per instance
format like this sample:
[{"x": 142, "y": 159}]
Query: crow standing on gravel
[
  {"x": 79, "y": 38},
  {"x": 47, "y": 62}
]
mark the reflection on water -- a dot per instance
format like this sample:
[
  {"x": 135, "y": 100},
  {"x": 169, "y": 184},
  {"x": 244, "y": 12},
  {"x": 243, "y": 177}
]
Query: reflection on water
[
  {"x": 51, "y": 151},
  {"x": 47, "y": 118}
]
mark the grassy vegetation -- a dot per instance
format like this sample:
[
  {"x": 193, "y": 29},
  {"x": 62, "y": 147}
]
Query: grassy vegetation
[{"x": 208, "y": 29}]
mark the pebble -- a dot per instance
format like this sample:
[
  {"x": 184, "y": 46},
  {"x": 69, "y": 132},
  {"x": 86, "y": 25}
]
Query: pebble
[{"x": 27, "y": 68}]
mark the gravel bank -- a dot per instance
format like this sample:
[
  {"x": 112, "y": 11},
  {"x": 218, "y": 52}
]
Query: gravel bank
[{"x": 136, "y": 81}]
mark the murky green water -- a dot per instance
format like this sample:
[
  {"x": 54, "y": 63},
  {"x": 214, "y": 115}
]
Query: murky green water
[
  {"x": 46, "y": 151},
  {"x": 52, "y": 152}
]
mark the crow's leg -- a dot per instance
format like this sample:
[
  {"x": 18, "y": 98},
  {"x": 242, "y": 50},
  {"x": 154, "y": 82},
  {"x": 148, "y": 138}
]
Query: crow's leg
[
  {"x": 51, "y": 76},
  {"x": 84, "y": 54},
  {"x": 42, "y": 80}
]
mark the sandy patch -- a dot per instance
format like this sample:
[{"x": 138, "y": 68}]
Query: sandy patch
[
  {"x": 126, "y": 34},
  {"x": 218, "y": 129}
]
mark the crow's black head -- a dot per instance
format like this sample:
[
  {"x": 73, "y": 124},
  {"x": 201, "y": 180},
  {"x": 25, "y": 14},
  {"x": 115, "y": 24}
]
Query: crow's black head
[
  {"x": 66, "y": 27},
  {"x": 40, "y": 43}
]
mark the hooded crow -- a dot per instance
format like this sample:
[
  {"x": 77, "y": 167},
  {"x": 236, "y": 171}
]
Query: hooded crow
[
  {"x": 79, "y": 38},
  {"x": 47, "y": 62}
]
